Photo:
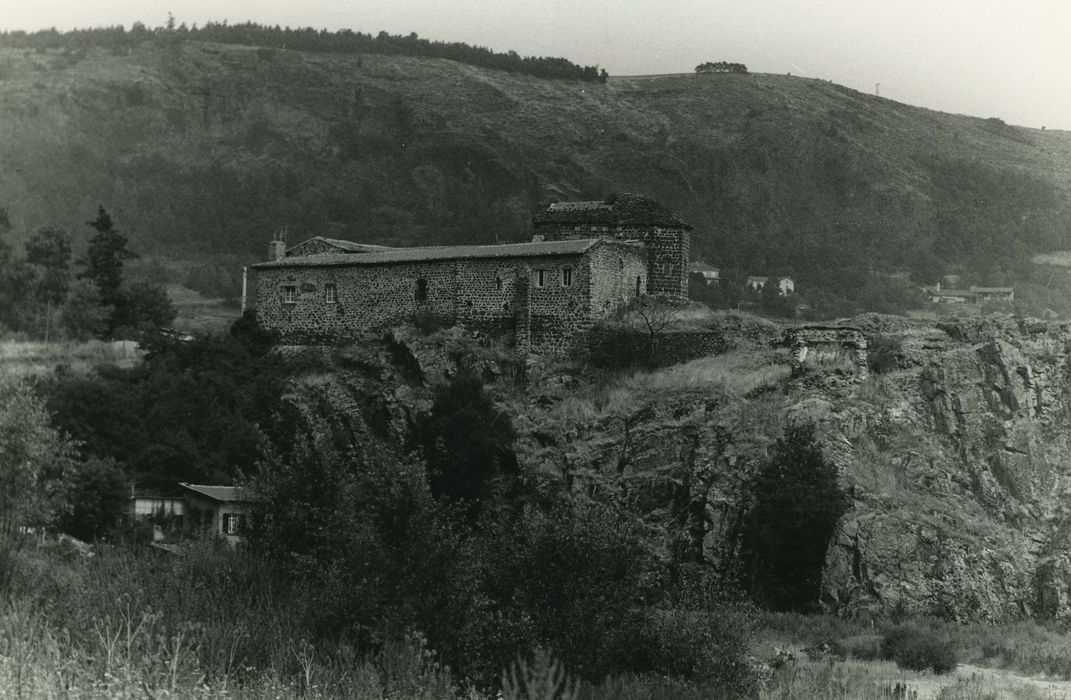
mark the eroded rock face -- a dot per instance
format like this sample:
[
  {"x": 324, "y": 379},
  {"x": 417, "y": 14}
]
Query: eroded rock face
[{"x": 977, "y": 529}]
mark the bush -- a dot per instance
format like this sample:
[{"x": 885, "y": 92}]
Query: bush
[
  {"x": 884, "y": 353},
  {"x": 704, "y": 646},
  {"x": 797, "y": 503},
  {"x": 916, "y": 648}
]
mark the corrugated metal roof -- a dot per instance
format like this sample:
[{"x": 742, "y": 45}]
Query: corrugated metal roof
[
  {"x": 430, "y": 253},
  {"x": 226, "y": 494}
]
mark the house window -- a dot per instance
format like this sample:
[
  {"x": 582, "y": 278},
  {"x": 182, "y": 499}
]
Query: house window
[
  {"x": 232, "y": 523},
  {"x": 290, "y": 294},
  {"x": 421, "y": 293},
  {"x": 567, "y": 277},
  {"x": 540, "y": 278},
  {"x": 330, "y": 294},
  {"x": 498, "y": 283}
]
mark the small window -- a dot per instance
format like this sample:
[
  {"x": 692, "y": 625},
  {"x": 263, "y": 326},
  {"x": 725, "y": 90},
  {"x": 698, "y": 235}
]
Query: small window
[
  {"x": 232, "y": 523},
  {"x": 421, "y": 293},
  {"x": 289, "y": 294},
  {"x": 567, "y": 277},
  {"x": 498, "y": 283},
  {"x": 540, "y": 278},
  {"x": 330, "y": 294},
  {"x": 638, "y": 286}
]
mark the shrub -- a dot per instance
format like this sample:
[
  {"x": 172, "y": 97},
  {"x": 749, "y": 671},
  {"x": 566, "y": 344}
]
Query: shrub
[
  {"x": 884, "y": 353},
  {"x": 797, "y": 502},
  {"x": 916, "y": 648},
  {"x": 704, "y": 646}
]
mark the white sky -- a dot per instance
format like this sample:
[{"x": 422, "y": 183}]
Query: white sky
[{"x": 989, "y": 58}]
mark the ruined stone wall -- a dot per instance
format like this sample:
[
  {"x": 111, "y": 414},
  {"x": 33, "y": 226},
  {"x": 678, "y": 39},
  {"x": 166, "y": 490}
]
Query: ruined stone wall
[
  {"x": 628, "y": 347},
  {"x": 667, "y": 250},
  {"x": 828, "y": 347}
]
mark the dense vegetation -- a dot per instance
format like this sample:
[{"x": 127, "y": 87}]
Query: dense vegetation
[
  {"x": 40, "y": 298},
  {"x": 119, "y": 40}
]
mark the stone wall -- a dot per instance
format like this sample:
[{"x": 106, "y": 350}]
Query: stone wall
[
  {"x": 614, "y": 282},
  {"x": 668, "y": 249},
  {"x": 488, "y": 295},
  {"x": 628, "y": 347},
  {"x": 834, "y": 347}
]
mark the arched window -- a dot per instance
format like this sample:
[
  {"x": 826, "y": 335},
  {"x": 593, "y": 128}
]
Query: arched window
[{"x": 421, "y": 293}]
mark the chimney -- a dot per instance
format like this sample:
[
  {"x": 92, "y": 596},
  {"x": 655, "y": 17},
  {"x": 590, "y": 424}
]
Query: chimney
[{"x": 277, "y": 247}]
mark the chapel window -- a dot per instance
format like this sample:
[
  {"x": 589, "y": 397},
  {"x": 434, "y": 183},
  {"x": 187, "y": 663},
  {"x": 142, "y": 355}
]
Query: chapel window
[{"x": 330, "y": 294}]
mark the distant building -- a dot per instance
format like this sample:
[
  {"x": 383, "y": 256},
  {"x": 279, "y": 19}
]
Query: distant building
[
  {"x": 706, "y": 271},
  {"x": 218, "y": 510},
  {"x": 984, "y": 294},
  {"x": 785, "y": 285},
  {"x": 974, "y": 295}
]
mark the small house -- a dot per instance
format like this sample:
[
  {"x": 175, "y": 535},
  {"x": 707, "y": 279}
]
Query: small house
[
  {"x": 219, "y": 510},
  {"x": 785, "y": 285},
  {"x": 706, "y": 271}
]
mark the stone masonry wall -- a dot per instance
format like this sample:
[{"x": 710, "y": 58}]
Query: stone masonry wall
[
  {"x": 667, "y": 250},
  {"x": 613, "y": 285},
  {"x": 488, "y": 295}
]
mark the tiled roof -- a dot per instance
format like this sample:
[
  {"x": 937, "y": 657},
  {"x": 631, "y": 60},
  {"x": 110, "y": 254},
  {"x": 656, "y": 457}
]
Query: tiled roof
[
  {"x": 453, "y": 252},
  {"x": 348, "y": 246},
  {"x": 225, "y": 494},
  {"x": 618, "y": 210},
  {"x": 700, "y": 266}
]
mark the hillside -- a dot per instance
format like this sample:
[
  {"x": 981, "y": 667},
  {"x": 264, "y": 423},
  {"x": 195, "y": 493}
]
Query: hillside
[{"x": 202, "y": 150}]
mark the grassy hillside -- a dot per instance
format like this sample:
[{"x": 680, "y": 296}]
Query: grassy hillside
[{"x": 204, "y": 149}]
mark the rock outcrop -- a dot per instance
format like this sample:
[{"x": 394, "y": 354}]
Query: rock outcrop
[{"x": 958, "y": 461}]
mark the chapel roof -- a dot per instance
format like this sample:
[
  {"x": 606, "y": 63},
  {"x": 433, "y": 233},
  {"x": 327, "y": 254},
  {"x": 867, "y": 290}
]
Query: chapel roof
[
  {"x": 619, "y": 210},
  {"x": 430, "y": 253}
]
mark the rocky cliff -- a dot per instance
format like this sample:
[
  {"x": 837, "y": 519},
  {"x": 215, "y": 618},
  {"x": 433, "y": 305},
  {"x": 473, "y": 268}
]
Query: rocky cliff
[{"x": 957, "y": 458}]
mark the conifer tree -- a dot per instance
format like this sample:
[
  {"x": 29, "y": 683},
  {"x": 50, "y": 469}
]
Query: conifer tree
[{"x": 105, "y": 257}]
